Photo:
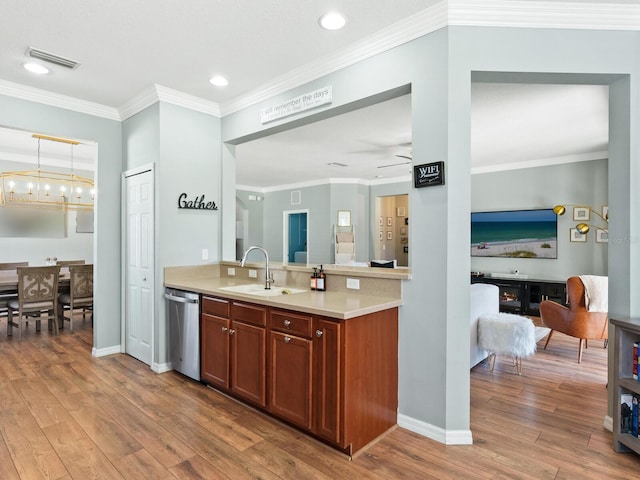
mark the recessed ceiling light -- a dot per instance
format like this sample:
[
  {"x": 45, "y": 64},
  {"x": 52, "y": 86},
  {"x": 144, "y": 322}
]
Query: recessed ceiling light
[
  {"x": 218, "y": 81},
  {"x": 36, "y": 68},
  {"x": 332, "y": 21}
]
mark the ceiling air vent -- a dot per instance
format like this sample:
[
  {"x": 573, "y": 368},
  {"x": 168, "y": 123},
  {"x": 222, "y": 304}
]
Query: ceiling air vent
[{"x": 51, "y": 58}]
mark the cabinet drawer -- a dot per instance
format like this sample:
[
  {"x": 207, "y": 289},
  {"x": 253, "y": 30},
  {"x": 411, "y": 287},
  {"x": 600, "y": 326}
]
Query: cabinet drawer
[
  {"x": 245, "y": 312},
  {"x": 291, "y": 323},
  {"x": 215, "y": 306}
]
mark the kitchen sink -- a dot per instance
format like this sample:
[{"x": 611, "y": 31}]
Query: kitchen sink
[{"x": 259, "y": 290}]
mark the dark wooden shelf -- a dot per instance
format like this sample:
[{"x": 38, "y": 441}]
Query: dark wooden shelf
[
  {"x": 523, "y": 296},
  {"x": 627, "y": 332}
]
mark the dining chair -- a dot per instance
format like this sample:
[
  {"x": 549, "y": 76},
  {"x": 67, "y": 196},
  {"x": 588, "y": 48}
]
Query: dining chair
[
  {"x": 37, "y": 296},
  {"x": 80, "y": 294},
  {"x": 5, "y": 297}
]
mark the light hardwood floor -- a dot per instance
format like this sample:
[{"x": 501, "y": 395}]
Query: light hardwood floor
[{"x": 66, "y": 415}]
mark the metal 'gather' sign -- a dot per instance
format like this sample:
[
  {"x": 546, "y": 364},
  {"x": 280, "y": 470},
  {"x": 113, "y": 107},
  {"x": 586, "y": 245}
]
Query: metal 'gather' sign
[{"x": 198, "y": 203}]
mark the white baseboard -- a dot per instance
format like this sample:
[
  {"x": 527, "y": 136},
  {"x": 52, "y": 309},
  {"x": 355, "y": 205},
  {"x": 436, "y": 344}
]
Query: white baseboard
[
  {"x": 161, "y": 367},
  {"x": 103, "y": 352},
  {"x": 608, "y": 423},
  {"x": 448, "y": 437}
]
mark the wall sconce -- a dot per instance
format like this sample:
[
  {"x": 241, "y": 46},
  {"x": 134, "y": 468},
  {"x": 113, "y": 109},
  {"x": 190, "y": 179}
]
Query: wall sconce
[{"x": 581, "y": 212}]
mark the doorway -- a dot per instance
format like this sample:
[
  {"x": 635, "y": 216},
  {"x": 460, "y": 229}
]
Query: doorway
[
  {"x": 392, "y": 242},
  {"x": 296, "y": 238}
]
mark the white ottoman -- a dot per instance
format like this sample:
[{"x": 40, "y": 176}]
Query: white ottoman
[{"x": 507, "y": 334}]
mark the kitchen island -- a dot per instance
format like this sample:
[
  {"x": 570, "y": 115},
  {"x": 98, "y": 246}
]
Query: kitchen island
[{"x": 324, "y": 362}]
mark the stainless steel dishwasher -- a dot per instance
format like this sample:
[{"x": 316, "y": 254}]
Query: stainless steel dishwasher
[{"x": 183, "y": 314}]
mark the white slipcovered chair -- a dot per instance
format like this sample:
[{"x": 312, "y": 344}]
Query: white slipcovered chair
[{"x": 483, "y": 298}]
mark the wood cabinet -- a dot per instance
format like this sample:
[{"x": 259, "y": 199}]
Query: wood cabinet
[
  {"x": 523, "y": 297},
  {"x": 290, "y": 367},
  {"x": 327, "y": 343},
  {"x": 334, "y": 379},
  {"x": 627, "y": 332},
  {"x": 233, "y": 350}
]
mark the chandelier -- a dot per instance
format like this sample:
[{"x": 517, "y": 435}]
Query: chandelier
[{"x": 47, "y": 189}]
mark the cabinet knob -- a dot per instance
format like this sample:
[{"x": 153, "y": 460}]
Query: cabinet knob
[
  {"x": 231, "y": 331},
  {"x": 224, "y": 329},
  {"x": 287, "y": 339},
  {"x": 287, "y": 323},
  {"x": 319, "y": 333}
]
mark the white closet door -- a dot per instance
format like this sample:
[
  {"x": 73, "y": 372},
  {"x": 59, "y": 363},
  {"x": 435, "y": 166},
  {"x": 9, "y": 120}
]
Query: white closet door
[{"x": 139, "y": 266}]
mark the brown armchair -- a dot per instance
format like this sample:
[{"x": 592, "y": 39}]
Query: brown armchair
[{"x": 576, "y": 320}]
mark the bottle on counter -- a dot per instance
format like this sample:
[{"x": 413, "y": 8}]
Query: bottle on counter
[
  {"x": 314, "y": 279},
  {"x": 321, "y": 283}
]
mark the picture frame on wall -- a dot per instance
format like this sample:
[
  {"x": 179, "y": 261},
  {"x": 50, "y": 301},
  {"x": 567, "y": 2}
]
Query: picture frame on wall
[
  {"x": 389, "y": 236},
  {"x": 389, "y": 221},
  {"x": 380, "y": 221},
  {"x": 581, "y": 214},
  {"x": 401, "y": 212},
  {"x": 602, "y": 235},
  {"x": 344, "y": 218},
  {"x": 576, "y": 236},
  {"x": 381, "y": 236}
]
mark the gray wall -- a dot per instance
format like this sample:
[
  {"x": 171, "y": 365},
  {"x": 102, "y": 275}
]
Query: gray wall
[
  {"x": 583, "y": 183},
  {"x": 184, "y": 145},
  {"x": 255, "y": 218},
  {"x": 316, "y": 200}
]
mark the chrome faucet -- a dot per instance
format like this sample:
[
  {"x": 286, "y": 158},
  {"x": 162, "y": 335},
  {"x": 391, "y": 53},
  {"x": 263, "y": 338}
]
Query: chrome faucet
[{"x": 268, "y": 277}]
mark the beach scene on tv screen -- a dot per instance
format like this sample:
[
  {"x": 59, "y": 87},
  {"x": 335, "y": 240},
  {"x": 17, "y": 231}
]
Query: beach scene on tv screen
[{"x": 515, "y": 234}]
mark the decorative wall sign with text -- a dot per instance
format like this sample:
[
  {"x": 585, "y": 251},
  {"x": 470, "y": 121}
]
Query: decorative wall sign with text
[
  {"x": 428, "y": 175},
  {"x": 198, "y": 203},
  {"x": 301, "y": 103}
]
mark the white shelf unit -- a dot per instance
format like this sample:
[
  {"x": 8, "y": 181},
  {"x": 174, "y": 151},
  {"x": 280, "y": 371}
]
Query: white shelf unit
[{"x": 345, "y": 244}]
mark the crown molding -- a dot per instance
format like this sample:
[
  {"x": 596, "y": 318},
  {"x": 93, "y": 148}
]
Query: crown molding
[
  {"x": 544, "y": 14},
  {"x": 426, "y": 21},
  {"x": 324, "y": 181},
  {"x": 481, "y": 13},
  {"x": 158, "y": 93},
  {"x": 45, "y": 97},
  {"x": 487, "y": 13},
  {"x": 138, "y": 103},
  {"x": 543, "y": 162},
  {"x": 185, "y": 100}
]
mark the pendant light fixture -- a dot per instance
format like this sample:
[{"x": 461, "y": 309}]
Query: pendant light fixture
[{"x": 47, "y": 189}]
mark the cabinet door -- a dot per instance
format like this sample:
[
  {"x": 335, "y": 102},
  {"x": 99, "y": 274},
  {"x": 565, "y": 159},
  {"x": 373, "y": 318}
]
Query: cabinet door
[
  {"x": 214, "y": 355},
  {"x": 290, "y": 378},
  {"x": 248, "y": 370},
  {"x": 327, "y": 355}
]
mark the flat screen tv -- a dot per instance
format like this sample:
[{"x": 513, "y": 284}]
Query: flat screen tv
[{"x": 515, "y": 234}]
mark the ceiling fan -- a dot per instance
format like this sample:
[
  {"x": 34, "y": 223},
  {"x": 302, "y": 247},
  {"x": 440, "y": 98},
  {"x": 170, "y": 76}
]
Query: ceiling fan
[{"x": 407, "y": 157}]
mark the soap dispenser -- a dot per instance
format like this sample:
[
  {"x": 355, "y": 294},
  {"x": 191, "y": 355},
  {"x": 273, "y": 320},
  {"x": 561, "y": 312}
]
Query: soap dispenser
[
  {"x": 321, "y": 280},
  {"x": 314, "y": 279}
]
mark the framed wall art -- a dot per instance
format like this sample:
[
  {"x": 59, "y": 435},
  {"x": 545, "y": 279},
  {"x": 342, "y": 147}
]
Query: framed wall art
[
  {"x": 602, "y": 235},
  {"x": 581, "y": 214},
  {"x": 576, "y": 236}
]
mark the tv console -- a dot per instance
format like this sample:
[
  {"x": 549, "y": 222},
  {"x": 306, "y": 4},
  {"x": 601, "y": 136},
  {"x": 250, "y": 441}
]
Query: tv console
[{"x": 522, "y": 296}]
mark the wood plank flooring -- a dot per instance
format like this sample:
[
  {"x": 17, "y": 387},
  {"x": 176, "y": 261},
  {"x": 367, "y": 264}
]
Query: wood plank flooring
[{"x": 67, "y": 415}]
